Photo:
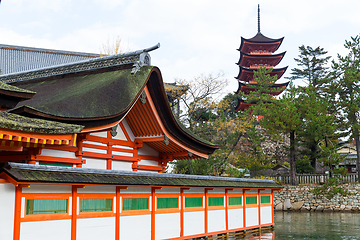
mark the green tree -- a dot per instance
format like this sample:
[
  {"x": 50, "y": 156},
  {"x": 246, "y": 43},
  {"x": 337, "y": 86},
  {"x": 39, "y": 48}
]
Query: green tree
[
  {"x": 278, "y": 116},
  {"x": 319, "y": 122},
  {"x": 214, "y": 121},
  {"x": 312, "y": 69},
  {"x": 283, "y": 117},
  {"x": 346, "y": 84}
]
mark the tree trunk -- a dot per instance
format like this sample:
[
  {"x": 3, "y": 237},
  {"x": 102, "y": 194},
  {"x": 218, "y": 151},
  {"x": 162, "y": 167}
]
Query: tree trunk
[
  {"x": 292, "y": 159},
  {"x": 191, "y": 170},
  {"x": 356, "y": 134},
  {"x": 330, "y": 164},
  {"x": 313, "y": 149}
]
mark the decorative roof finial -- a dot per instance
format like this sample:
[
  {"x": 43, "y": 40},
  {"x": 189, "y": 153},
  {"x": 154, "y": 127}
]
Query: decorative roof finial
[{"x": 258, "y": 18}]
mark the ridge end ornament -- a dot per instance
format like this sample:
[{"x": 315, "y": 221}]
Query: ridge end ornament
[
  {"x": 143, "y": 97},
  {"x": 113, "y": 131},
  {"x": 166, "y": 140}
]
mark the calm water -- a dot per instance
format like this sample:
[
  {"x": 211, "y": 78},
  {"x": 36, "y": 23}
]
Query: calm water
[{"x": 331, "y": 226}]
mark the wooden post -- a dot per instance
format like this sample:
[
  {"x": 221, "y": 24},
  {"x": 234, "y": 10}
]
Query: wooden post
[{"x": 17, "y": 214}]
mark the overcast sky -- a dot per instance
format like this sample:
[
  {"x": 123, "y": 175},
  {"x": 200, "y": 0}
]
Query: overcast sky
[{"x": 196, "y": 36}]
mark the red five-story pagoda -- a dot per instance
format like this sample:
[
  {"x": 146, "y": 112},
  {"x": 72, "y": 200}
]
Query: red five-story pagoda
[{"x": 254, "y": 53}]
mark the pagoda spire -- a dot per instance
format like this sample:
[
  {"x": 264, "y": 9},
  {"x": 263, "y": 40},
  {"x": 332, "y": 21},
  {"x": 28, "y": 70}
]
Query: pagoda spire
[{"x": 258, "y": 18}]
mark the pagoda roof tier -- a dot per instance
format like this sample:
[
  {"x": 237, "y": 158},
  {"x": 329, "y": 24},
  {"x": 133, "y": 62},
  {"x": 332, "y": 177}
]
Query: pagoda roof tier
[
  {"x": 247, "y": 74},
  {"x": 260, "y": 43},
  {"x": 259, "y": 60},
  {"x": 242, "y": 105},
  {"x": 275, "y": 89}
]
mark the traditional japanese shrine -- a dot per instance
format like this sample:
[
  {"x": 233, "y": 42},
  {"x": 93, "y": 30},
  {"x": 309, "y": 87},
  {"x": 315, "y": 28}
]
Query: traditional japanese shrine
[
  {"x": 254, "y": 53},
  {"x": 83, "y": 148}
]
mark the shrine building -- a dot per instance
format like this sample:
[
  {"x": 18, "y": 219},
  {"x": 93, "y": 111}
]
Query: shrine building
[{"x": 83, "y": 148}]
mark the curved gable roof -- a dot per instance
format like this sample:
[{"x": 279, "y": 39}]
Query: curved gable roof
[{"x": 93, "y": 96}]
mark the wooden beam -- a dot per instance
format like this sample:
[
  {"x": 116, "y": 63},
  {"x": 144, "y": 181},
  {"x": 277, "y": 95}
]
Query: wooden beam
[{"x": 151, "y": 139}]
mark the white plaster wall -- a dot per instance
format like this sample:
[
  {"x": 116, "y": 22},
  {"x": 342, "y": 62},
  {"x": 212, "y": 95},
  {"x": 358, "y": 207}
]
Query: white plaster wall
[
  {"x": 167, "y": 225},
  {"x": 94, "y": 150},
  {"x": 94, "y": 163},
  {"x": 148, "y": 151},
  {"x": 252, "y": 216},
  {"x": 40, "y": 188},
  {"x": 194, "y": 223},
  {"x": 216, "y": 220},
  {"x": 265, "y": 215},
  {"x": 120, "y": 134},
  {"x": 136, "y": 190},
  {"x": 128, "y": 130},
  {"x": 195, "y": 190},
  {"x": 235, "y": 191},
  {"x": 97, "y": 189},
  {"x": 153, "y": 171},
  {"x": 7, "y": 209},
  {"x": 96, "y": 143},
  {"x": 99, "y": 134},
  {"x": 235, "y": 218},
  {"x": 168, "y": 190},
  {"x": 149, "y": 163},
  {"x": 57, "y": 153},
  {"x": 252, "y": 191},
  {"x": 265, "y": 191},
  {"x": 96, "y": 228},
  {"x": 121, "y": 165},
  {"x": 142, "y": 230},
  {"x": 123, "y": 147},
  {"x": 217, "y": 190},
  {"x": 45, "y": 230},
  {"x": 126, "y": 154}
]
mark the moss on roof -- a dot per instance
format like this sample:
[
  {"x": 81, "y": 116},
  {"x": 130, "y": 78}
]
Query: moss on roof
[
  {"x": 17, "y": 122},
  {"x": 95, "y": 95},
  {"x": 7, "y": 87}
]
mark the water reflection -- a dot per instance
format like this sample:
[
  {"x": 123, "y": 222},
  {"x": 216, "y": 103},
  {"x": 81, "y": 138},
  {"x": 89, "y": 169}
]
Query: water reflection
[
  {"x": 256, "y": 236},
  {"x": 296, "y": 225},
  {"x": 327, "y": 226}
]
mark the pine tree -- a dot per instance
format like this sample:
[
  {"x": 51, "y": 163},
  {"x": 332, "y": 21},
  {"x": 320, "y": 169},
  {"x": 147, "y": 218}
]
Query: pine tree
[
  {"x": 346, "y": 77},
  {"x": 283, "y": 117},
  {"x": 313, "y": 70}
]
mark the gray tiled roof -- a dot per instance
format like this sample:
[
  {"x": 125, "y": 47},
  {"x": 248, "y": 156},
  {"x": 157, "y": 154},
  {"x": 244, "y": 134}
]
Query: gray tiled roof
[
  {"x": 68, "y": 175},
  {"x": 18, "y": 59},
  {"x": 137, "y": 59}
]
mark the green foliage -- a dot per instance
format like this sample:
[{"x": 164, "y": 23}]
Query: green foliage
[
  {"x": 313, "y": 68},
  {"x": 346, "y": 85},
  {"x": 331, "y": 188},
  {"x": 286, "y": 164},
  {"x": 214, "y": 121},
  {"x": 303, "y": 165}
]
